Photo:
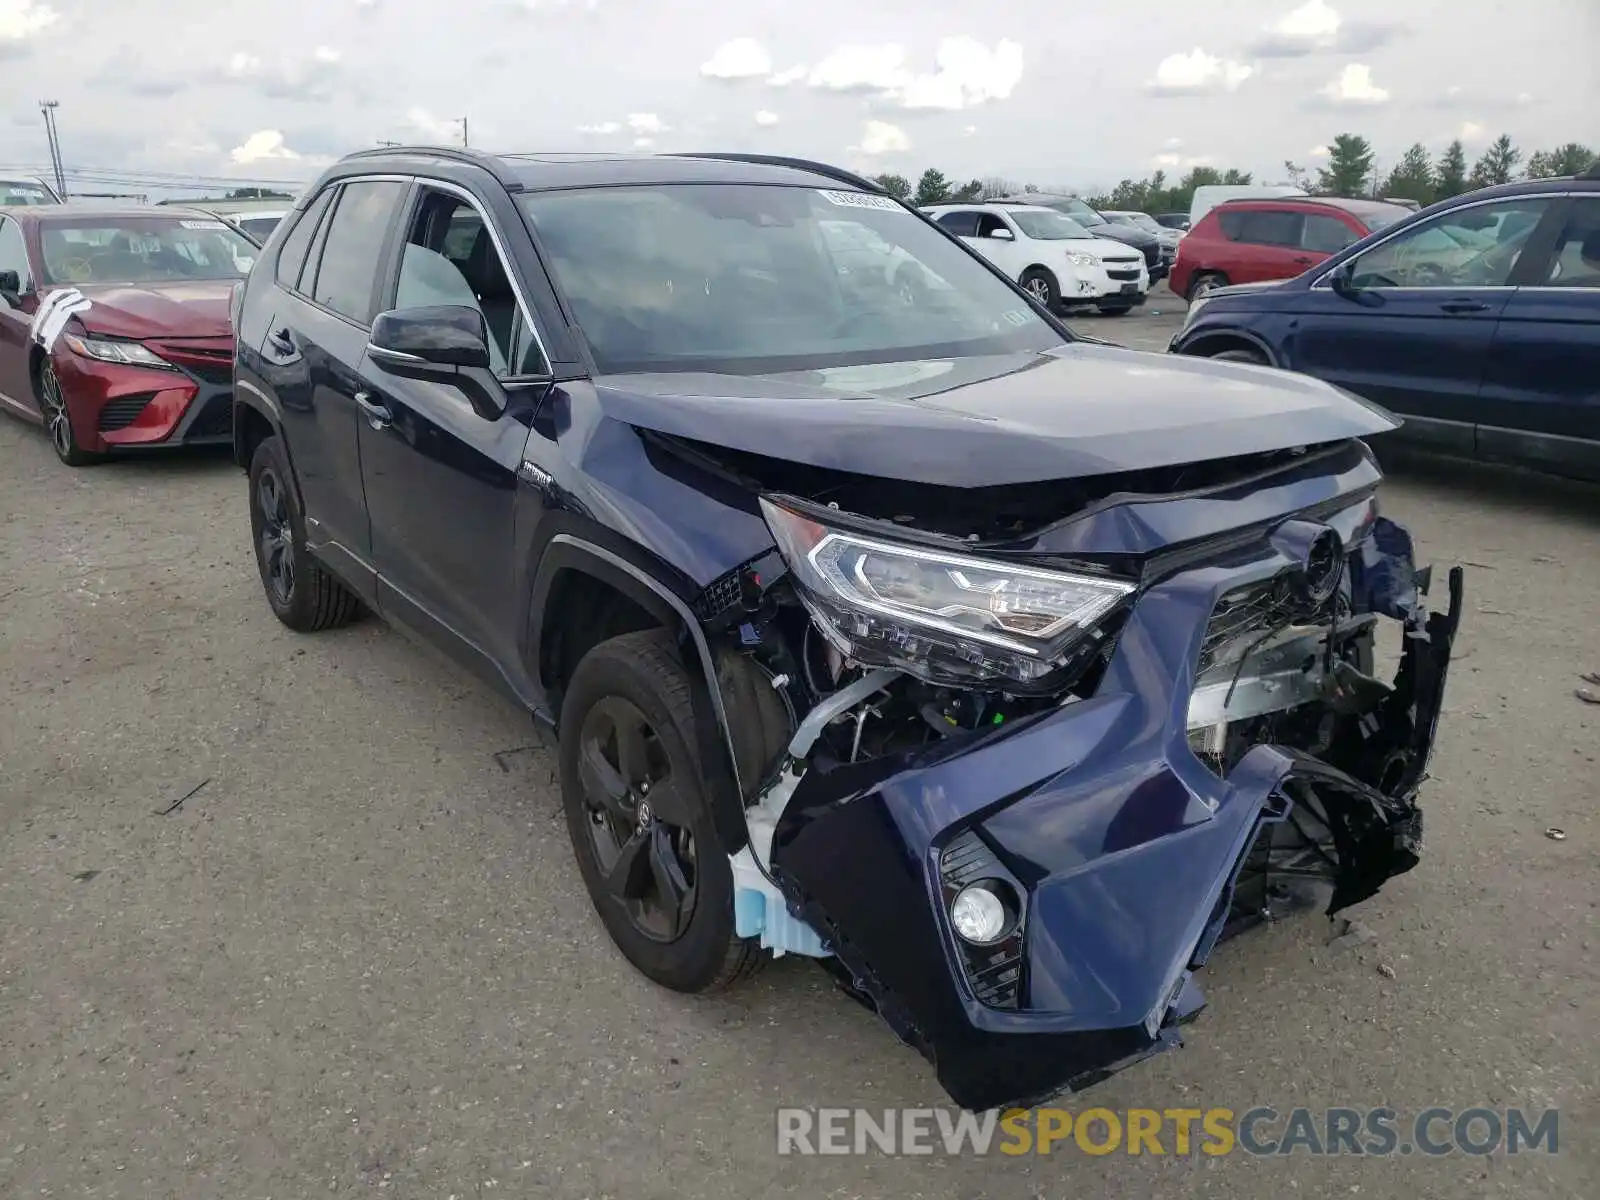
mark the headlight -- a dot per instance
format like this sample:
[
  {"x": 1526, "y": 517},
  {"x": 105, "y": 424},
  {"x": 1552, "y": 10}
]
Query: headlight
[
  {"x": 946, "y": 618},
  {"x": 1078, "y": 259},
  {"x": 129, "y": 353}
]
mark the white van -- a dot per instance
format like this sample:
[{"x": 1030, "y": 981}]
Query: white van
[{"x": 1208, "y": 197}]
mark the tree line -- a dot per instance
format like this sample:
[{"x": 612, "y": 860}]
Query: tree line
[{"x": 1351, "y": 170}]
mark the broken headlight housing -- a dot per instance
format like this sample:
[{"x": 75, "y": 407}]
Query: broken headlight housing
[{"x": 946, "y": 618}]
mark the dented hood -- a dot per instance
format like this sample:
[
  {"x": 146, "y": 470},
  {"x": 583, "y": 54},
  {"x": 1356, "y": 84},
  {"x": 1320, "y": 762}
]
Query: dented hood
[
  {"x": 976, "y": 422},
  {"x": 181, "y": 308}
]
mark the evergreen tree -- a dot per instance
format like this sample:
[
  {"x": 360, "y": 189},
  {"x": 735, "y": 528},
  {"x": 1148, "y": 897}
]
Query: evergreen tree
[
  {"x": 1450, "y": 179},
  {"x": 1412, "y": 177},
  {"x": 1350, "y": 159}
]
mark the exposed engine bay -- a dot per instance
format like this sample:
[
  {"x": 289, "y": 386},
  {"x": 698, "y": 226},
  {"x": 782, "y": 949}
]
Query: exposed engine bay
[{"x": 962, "y": 707}]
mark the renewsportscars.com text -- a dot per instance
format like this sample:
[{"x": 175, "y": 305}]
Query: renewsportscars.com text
[{"x": 1260, "y": 1130}]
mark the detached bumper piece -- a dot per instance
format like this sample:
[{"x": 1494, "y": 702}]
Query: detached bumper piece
[{"x": 1128, "y": 856}]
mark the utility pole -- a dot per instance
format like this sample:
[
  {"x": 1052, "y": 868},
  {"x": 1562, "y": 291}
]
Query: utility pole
[
  {"x": 386, "y": 143},
  {"x": 463, "y": 121},
  {"x": 48, "y": 108}
]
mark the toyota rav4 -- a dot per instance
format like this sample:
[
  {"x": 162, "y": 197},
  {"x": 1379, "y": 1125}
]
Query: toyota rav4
[{"x": 1000, "y": 671}]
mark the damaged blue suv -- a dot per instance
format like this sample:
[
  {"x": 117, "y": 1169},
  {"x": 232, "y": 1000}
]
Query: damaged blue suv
[{"x": 873, "y": 616}]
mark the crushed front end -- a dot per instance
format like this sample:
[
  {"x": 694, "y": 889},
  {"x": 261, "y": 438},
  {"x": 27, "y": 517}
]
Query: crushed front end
[{"x": 1035, "y": 780}]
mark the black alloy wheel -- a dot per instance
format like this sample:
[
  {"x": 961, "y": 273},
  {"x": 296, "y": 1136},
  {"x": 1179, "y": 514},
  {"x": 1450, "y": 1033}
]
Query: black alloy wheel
[
  {"x": 275, "y": 539},
  {"x": 639, "y": 819}
]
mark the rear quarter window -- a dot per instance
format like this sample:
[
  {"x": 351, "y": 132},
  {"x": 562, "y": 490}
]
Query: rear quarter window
[{"x": 292, "y": 258}]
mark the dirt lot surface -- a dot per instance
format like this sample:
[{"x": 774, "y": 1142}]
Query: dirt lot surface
[{"x": 359, "y": 958}]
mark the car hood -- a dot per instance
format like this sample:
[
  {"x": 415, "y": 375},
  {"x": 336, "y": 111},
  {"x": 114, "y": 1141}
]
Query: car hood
[
  {"x": 1077, "y": 411},
  {"x": 1104, "y": 247},
  {"x": 1126, "y": 234},
  {"x": 183, "y": 308}
]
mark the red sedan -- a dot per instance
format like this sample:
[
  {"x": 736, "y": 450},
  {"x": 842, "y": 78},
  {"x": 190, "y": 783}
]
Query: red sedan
[{"x": 114, "y": 326}]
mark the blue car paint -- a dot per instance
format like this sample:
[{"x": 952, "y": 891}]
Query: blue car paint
[
  {"x": 1096, "y": 806},
  {"x": 1498, "y": 373},
  {"x": 1123, "y": 841}
]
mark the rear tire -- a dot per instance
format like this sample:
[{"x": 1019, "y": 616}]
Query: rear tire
[
  {"x": 1204, "y": 282},
  {"x": 301, "y": 593},
  {"x": 1042, "y": 286},
  {"x": 672, "y": 916}
]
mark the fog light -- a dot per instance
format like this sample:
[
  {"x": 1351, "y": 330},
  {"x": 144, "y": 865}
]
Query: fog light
[{"x": 979, "y": 915}]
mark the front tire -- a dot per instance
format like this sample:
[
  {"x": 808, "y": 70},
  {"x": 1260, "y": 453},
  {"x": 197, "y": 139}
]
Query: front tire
[
  {"x": 58, "y": 421},
  {"x": 301, "y": 593},
  {"x": 1042, "y": 286},
  {"x": 639, "y": 814},
  {"x": 1115, "y": 310}
]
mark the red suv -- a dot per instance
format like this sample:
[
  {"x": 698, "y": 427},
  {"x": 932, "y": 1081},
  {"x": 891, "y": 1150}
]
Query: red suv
[{"x": 1250, "y": 241}]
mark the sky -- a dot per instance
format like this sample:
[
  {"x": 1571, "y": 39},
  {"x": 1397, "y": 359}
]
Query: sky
[{"x": 1053, "y": 92}]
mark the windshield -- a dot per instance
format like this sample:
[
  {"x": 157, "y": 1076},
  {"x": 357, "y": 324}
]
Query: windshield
[
  {"x": 18, "y": 191},
  {"x": 143, "y": 250},
  {"x": 1146, "y": 222},
  {"x": 1049, "y": 226},
  {"x": 753, "y": 279}
]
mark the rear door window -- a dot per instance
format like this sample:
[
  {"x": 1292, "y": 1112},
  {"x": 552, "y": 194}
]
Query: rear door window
[
  {"x": 351, "y": 262},
  {"x": 1269, "y": 227},
  {"x": 962, "y": 224},
  {"x": 1576, "y": 262},
  {"x": 1326, "y": 235}
]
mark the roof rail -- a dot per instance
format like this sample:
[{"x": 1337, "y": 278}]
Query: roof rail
[
  {"x": 463, "y": 154},
  {"x": 799, "y": 164}
]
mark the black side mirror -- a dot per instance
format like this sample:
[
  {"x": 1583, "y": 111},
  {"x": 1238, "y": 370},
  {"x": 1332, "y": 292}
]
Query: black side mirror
[
  {"x": 10, "y": 288},
  {"x": 1343, "y": 278},
  {"x": 448, "y": 343}
]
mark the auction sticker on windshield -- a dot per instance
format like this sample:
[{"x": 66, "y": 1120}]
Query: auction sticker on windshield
[
  {"x": 202, "y": 224},
  {"x": 861, "y": 200}
]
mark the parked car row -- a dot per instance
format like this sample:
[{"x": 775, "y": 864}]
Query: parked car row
[{"x": 1477, "y": 320}]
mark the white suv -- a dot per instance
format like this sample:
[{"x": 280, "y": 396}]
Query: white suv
[{"x": 1051, "y": 255}]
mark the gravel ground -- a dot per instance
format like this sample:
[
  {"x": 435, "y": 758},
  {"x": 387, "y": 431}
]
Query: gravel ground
[{"x": 360, "y": 957}]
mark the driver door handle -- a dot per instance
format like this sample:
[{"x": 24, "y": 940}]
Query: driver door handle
[
  {"x": 1464, "y": 306},
  {"x": 281, "y": 341},
  {"x": 377, "y": 415}
]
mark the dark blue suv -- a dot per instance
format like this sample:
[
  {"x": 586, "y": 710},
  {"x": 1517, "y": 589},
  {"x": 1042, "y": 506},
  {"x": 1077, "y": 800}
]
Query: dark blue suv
[
  {"x": 872, "y": 615},
  {"x": 1476, "y": 320}
]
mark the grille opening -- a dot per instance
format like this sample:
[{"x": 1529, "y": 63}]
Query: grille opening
[{"x": 123, "y": 411}]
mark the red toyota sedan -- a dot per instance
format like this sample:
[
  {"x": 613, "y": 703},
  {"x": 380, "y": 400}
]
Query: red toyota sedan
[{"x": 114, "y": 326}]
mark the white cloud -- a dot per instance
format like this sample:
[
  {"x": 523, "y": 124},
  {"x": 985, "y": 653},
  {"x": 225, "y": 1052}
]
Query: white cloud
[
  {"x": 742, "y": 58},
  {"x": 966, "y": 74},
  {"x": 1197, "y": 72},
  {"x": 792, "y": 75},
  {"x": 766, "y": 119},
  {"x": 1524, "y": 97},
  {"x": 1170, "y": 161},
  {"x": 880, "y": 137},
  {"x": 643, "y": 143},
  {"x": 264, "y": 145},
  {"x": 326, "y": 54},
  {"x": 1313, "y": 23},
  {"x": 968, "y": 130},
  {"x": 861, "y": 69},
  {"x": 1318, "y": 152},
  {"x": 1471, "y": 131},
  {"x": 241, "y": 65},
  {"x": 21, "y": 19},
  {"x": 646, "y": 123},
  {"x": 1354, "y": 85},
  {"x": 438, "y": 130},
  {"x": 1172, "y": 143},
  {"x": 604, "y": 128}
]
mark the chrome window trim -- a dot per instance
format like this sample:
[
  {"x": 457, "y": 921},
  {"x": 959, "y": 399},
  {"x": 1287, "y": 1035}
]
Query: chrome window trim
[{"x": 1321, "y": 281}]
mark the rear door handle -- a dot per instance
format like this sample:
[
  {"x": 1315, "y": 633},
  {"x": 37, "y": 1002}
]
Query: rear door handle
[
  {"x": 1305, "y": 260},
  {"x": 377, "y": 415},
  {"x": 1464, "y": 306}
]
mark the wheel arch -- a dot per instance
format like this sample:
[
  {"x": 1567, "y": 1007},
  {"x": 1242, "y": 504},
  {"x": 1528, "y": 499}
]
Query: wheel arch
[
  {"x": 1207, "y": 343},
  {"x": 617, "y": 593},
  {"x": 254, "y": 421}
]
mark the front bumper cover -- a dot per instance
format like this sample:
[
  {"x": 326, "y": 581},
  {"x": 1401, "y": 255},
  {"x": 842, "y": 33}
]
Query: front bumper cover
[{"x": 1125, "y": 845}]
